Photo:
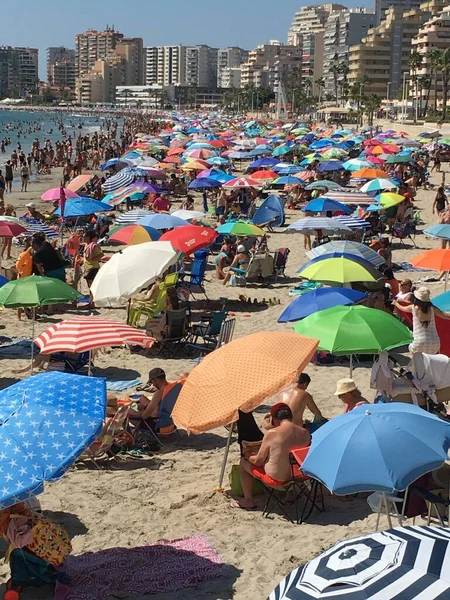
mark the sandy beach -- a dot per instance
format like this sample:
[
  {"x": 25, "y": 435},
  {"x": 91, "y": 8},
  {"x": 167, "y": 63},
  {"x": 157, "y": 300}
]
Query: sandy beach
[{"x": 171, "y": 495}]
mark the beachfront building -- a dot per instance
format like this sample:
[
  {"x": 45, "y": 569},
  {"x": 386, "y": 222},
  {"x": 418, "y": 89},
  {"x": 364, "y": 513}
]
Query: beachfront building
[
  {"x": 93, "y": 45},
  {"x": 310, "y": 19},
  {"x": 18, "y": 71},
  {"x": 165, "y": 65},
  {"x": 269, "y": 64},
  {"x": 433, "y": 35},
  {"x": 99, "y": 85},
  {"x": 201, "y": 66},
  {"x": 231, "y": 77},
  {"x": 381, "y": 6},
  {"x": 343, "y": 28},
  {"x": 228, "y": 60},
  {"x": 61, "y": 71},
  {"x": 132, "y": 52},
  {"x": 382, "y": 56}
]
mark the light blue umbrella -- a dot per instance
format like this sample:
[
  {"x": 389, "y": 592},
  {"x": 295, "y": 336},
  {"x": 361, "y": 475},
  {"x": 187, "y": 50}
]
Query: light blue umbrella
[
  {"x": 81, "y": 207},
  {"x": 288, "y": 180},
  {"x": 320, "y": 185},
  {"x": 324, "y": 204},
  {"x": 282, "y": 150},
  {"x": 439, "y": 231},
  {"x": 217, "y": 161},
  {"x": 354, "y": 164},
  {"x": 162, "y": 221},
  {"x": 442, "y": 301},
  {"x": 319, "y": 299},
  {"x": 46, "y": 422},
  {"x": 377, "y": 447}
]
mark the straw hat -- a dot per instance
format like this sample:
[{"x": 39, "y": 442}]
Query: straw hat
[
  {"x": 344, "y": 386},
  {"x": 422, "y": 294}
]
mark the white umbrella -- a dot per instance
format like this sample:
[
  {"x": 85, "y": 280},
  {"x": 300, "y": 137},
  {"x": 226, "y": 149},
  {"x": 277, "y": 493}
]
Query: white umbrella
[
  {"x": 131, "y": 270},
  {"x": 310, "y": 225},
  {"x": 188, "y": 215}
]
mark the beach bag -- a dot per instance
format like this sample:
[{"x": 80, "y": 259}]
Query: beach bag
[
  {"x": 236, "y": 487},
  {"x": 51, "y": 542}
]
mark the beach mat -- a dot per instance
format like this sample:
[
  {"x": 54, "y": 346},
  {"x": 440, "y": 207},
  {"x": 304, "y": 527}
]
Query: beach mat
[
  {"x": 16, "y": 348},
  {"x": 120, "y": 386},
  {"x": 166, "y": 566}
]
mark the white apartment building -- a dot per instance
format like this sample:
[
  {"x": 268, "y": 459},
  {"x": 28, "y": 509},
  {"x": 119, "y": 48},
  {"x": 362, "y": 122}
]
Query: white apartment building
[
  {"x": 201, "y": 66},
  {"x": 165, "y": 65},
  {"x": 92, "y": 46},
  {"x": 310, "y": 19},
  {"x": 229, "y": 59},
  {"x": 231, "y": 77}
]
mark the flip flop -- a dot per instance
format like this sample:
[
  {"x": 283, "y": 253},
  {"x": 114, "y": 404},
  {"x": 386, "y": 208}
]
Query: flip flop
[{"x": 235, "y": 504}]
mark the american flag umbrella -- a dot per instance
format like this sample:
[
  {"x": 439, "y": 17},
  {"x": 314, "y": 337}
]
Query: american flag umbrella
[
  {"x": 90, "y": 333},
  {"x": 353, "y": 222},
  {"x": 403, "y": 563},
  {"x": 118, "y": 181},
  {"x": 46, "y": 422}
]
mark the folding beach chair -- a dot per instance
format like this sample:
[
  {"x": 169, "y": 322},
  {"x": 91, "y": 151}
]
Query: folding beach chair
[
  {"x": 301, "y": 492},
  {"x": 112, "y": 428},
  {"x": 225, "y": 336},
  {"x": 177, "y": 333},
  {"x": 140, "y": 308},
  {"x": 77, "y": 366},
  {"x": 280, "y": 261}
]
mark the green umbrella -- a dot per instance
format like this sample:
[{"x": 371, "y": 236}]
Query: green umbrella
[
  {"x": 395, "y": 160},
  {"x": 339, "y": 270},
  {"x": 239, "y": 228},
  {"x": 354, "y": 330},
  {"x": 33, "y": 291}
]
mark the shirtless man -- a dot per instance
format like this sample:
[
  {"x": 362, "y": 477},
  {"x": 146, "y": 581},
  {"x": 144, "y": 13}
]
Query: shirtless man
[
  {"x": 298, "y": 399},
  {"x": 273, "y": 456},
  {"x": 149, "y": 409}
]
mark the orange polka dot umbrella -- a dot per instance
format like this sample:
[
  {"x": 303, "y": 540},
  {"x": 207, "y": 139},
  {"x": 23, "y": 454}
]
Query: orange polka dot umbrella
[{"x": 240, "y": 376}]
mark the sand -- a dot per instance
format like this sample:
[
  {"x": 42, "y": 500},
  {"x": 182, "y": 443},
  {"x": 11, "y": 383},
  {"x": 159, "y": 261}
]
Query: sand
[{"x": 171, "y": 494}]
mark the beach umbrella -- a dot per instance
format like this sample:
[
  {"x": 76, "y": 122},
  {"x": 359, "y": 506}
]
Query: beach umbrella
[
  {"x": 217, "y": 160},
  {"x": 339, "y": 270},
  {"x": 375, "y": 185},
  {"x": 133, "y": 234},
  {"x": 55, "y": 193},
  {"x": 399, "y": 159},
  {"x": 188, "y": 215},
  {"x": 9, "y": 229},
  {"x": 36, "y": 291},
  {"x": 208, "y": 173},
  {"x": 344, "y": 330},
  {"x": 377, "y": 447},
  {"x": 437, "y": 260},
  {"x": 288, "y": 180},
  {"x": 240, "y": 376},
  {"x": 329, "y": 166},
  {"x": 282, "y": 150},
  {"x": 324, "y": 204},
  {"x": 358, "y": 250},
  {"x": 76, "y": 184},
  {"x": 238, "y": 155},
  {"x": 241, "y": 182},
  {"x": 161, "y": 221},
  {"x": 131, "y": 217},
  {"x": 310, "y": 226},
  {"x": 34, "y": 226},
  {"x": 263, "y": 162},
  {"x": 352, "y": 198},
  {"x": 287, "y": 170},
  {"x": 239, "y": 228},
  {"x": 46, "y": 423},
  {"x": 130, "y": 271},
  {"x": 355, "y": 164},
  {"x": 90, "y": 333},
  {"x": 439, "y": 231},
  {"x": 369, "y": 173},
  {"x": 353, "y": 222},
  {"x": 201, "y": 153},
  {"x": 189, "y": 239},
  {"x": 264, "y": 175},
  {"x": 81, "y": 207},
  {"x": 320, "y": 185},
  {"x": 389, "y": 199},
  {"x": 152, "y": 173},
  {"x": 198, "y": 165},
  {"x": 317, "y": 300},
  {"x": 204, "y": 183},
  {"x": 122, "y": 179},
  {"x": 402, "y": 563}
]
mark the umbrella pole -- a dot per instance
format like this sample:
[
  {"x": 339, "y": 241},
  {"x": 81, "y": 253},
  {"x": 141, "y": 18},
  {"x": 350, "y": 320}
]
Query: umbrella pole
[
  {"x": 388, "y": 514},
  {"x": 33, "y": 323},
  {"x": 225, "y": 458},
  {"x": 351, "y": 366},
  {"x": 446, "y": 281},
  {"x": 89, "y": 363}
]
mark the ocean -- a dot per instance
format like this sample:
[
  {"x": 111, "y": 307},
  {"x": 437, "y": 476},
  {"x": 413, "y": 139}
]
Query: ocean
[{"x": 25, "y": 126}]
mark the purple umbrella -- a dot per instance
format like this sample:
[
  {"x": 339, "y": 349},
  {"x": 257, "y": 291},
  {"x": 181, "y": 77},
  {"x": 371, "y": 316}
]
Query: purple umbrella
[{"x": 147, "y": 188}]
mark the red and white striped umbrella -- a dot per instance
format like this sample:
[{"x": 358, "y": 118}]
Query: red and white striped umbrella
[
  {"x": 90, "y": 333},
  {"x": 241, "y": 182}
]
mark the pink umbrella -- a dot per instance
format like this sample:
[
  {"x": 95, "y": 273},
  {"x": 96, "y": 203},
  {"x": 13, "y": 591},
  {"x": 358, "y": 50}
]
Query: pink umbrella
[{"x": 55, "y": 194}]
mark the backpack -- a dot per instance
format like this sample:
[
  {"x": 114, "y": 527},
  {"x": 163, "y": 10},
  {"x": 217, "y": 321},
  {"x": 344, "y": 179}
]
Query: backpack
[{"x": 51, "y": 542}]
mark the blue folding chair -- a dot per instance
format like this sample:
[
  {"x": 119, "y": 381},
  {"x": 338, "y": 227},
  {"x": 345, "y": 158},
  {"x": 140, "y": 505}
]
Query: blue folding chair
[{"x": 197, "y": 274}]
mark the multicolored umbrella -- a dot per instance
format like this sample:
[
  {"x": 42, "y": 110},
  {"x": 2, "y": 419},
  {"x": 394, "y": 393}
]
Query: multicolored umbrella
[
  {"x": 239, "y": 228},
  {"x": 360, "y": 251},
  {"x": 378, "y": 184},
  {"x": 133, "y": 234},
  {"x": 339, "y": 270}
]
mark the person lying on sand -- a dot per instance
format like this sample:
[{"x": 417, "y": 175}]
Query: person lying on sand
[
  {"x": 348, "y": 392},
  {"x": 273, "y": 456}
]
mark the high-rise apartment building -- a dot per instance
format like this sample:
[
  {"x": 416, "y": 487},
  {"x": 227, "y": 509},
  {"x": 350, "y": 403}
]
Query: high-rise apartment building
[
  {"x": 18, "y": 71},
  {"x": 61, "y": 68},
  {"x": 343, "y": 28},
  {"x": 271, "y": 63},
  {"x": 132, "y": 51},
  {"x": 165, "y": 65},
  {"x": 382, "y": 56},
  {"x": 93, "y": 45},
  {"x": 310, "y": 19},
  {"x": 201, "y": 66},
  {"x": 229, "y": 59},
  {"x": 381, "y": 6}
]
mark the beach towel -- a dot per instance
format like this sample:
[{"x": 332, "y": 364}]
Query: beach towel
[
  {"x": 405, "y": 266},
  {"x": 164, "y": 567},
  {"x": 120, "y": 386},
  {"x": 16, "y": 348}
]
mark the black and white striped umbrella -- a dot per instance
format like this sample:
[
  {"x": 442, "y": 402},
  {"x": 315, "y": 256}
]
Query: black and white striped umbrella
[
  {"x": 131, "y": 217},
  {"x": 122, "y": 179},
  {"x": 353, "y": 222},
  {"x": 404, "y": 563}
]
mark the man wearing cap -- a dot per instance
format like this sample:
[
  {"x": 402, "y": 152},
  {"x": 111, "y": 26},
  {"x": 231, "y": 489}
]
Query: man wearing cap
[
  {"x": 349, "y": 394},
  {"x": 33, "y": 213},
  {"x": 148, "y": 409},
  {"x": 273, "y": 456}
]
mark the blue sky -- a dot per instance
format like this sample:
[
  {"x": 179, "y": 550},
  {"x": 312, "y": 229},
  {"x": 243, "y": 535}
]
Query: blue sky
[{"x": 246, "y": 23}]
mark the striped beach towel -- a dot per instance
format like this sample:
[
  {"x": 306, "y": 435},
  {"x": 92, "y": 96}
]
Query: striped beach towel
[{"x": 120, "y": 386}]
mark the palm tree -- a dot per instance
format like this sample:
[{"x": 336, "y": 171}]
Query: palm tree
[
  {"x": 335, "y": 69},
  {"x": 415, "y": 60},
  {"x": 433, "y": 58},
  {"x": 320, "y": 83},
  {"x": 444, "y": 68},
  {"x": 343, "y": 70},
  {"x": 424, "y": 83},
  {"x": 372, "y": 103}
]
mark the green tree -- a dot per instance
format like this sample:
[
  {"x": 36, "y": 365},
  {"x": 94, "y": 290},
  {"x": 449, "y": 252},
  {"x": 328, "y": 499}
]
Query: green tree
[
  {"x": 372, "y": 103},
  {"x": 415, "y": 61},
  {"x": 320, "y": 83},
  {"x": 424, "y": 83},
  {"x": 343, "y": 70},
  {"x": 433, "y": 58},
  {"x": 335, "y": 69},
  {"x": 444, "y": 69}
]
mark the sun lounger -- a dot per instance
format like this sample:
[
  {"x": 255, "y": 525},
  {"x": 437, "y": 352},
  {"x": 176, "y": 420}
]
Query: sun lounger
[{"x": 102, "y": 445}]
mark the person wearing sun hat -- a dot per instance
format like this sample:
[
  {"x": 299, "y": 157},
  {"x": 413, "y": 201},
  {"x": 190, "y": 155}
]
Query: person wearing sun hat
[
  {"x": 425, "y": 334},
  {"x": 348, "y": 392}
]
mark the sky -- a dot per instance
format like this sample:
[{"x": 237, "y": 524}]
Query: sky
[{"x": 244, "y": 23}]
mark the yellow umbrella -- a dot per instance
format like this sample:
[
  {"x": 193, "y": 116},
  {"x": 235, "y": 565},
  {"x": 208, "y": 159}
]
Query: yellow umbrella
[
  {"x": 390, "y": 199},
  {"x": 193, "y": 166}
]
